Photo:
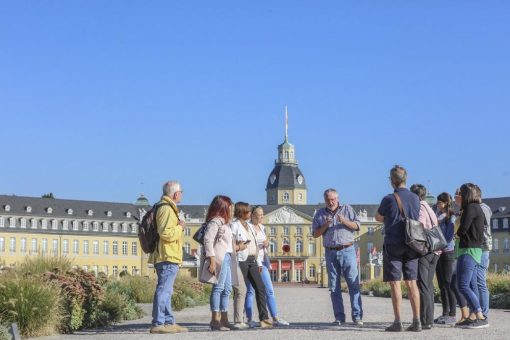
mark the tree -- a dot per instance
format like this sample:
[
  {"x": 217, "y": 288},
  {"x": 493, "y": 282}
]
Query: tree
[{"x": 49, "y": 195}]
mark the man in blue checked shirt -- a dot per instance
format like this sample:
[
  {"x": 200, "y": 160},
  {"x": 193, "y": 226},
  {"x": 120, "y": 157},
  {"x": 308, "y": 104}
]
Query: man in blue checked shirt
[{"x": 336, "y": 224}]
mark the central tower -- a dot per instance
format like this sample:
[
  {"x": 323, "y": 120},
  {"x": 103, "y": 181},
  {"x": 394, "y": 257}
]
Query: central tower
[{"x": 286, "y": 183}]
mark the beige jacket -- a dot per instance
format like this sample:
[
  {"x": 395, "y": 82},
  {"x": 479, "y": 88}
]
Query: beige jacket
[{"x": 216, "y": 240}]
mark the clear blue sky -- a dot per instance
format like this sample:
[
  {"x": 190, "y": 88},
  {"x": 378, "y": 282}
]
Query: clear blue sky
[{"x": 97, "y": 97}]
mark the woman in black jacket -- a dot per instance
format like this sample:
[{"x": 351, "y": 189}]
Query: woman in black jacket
[{"x": 469, "y": 252}]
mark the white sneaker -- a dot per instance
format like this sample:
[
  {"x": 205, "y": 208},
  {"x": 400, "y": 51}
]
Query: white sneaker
[
  {"x": 252, "y": 324},
  {"x": 240, "y": 325},
  {"x": 280, "y": 322}
]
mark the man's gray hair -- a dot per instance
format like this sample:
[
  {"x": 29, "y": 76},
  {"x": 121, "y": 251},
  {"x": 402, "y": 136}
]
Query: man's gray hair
[
  {"x": 398, "y": 175},
  {"x": 170, "y": 188},
  {"x": 330, "y": 190}
]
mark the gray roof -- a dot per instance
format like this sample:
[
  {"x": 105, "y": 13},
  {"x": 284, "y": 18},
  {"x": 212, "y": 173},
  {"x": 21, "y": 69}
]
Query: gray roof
[
  {"x": 60, "y": 208},
  {"x": 286, "y": 177},
  {"x": 500, "y": 206}
]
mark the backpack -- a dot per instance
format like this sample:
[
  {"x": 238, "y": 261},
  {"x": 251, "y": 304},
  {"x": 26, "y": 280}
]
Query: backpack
[
  {"x": 487, "y": 237},
  {"x": 148, "y": 229}
]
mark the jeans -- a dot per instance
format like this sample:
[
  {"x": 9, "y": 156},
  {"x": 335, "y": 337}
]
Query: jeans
[
  {"x": 252, "y": 277},
  {"x": 426, "y": 270},
  {"x": 221, "y": 290},
  {"x": 444, "y": 273},
  {"x": 481, "y": 287},
  {"x": 344, "y": 262},
  {"x": 162, "y": 305},
  {"x": 466, "y": 279},
  {"x": 270, "y": 298}
]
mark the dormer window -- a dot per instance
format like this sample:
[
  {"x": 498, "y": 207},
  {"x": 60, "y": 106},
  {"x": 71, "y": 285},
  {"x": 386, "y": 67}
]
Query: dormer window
[
  {"x": 90, "y": 212},
  {"x": 124, "y": 227},
  {"x": 28, "y": 209},
  {"x": 54, "y": 224},
  {"x": 105, "y": 227},
  {"x": 95, "y": 226},
  {"x": 69, "y": 211},
  {"x": 23, "y": 222},
  {"x": 115, "y": 227},
  {"x": 65, "y": 225},
  {"x": 12, "y": 222},
  {"x": 133, "y": 228},
  {"x": 33, "y": 223},
  {"x": 75, "y": 225},
  {"x": 7, "y": 207},
  {"x": 109, "y": 213},
  {"x": 85, "y": 226},
  {"x": 49, "y": 210},
  {"x": 128, "y": 214}
]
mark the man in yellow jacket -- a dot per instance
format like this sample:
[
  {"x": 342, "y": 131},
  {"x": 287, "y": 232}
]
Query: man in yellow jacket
[{"x": 167, "y": 258}]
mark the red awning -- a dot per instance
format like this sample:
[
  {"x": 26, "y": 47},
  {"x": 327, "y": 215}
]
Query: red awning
[
  {"x": 299, "y": 265},
  {"x": 286, "y": 266}
]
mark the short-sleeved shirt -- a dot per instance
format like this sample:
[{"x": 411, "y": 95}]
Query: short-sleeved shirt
[
  {"x": 338, "y": 234},
  {"x": 394, "y": 233}
]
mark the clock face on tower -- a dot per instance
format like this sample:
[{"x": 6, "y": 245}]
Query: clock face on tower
[
  {"x": 272, "y": 178},
  {"x": 300, "y": 179}
]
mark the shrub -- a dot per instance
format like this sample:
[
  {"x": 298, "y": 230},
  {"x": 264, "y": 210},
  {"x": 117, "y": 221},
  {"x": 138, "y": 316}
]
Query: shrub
[
  {"x": 141, "y": 289},
  {"x": 4, "y": 333},
  {"x": 33, "y": 304},
  {"x": 118, "y": 306},
  {"x": 43, "y": 264},
  {"x": 73, "y": 294}
]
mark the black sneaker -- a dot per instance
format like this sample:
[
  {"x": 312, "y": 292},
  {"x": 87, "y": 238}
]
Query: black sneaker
[
  {"x": 479, "y": 323},
  {"x": 464, "y": 323},
  {"x": 426, "y": 327},
  {"x": 395, "y": 327},
  {"x": 415, "y": 327}
]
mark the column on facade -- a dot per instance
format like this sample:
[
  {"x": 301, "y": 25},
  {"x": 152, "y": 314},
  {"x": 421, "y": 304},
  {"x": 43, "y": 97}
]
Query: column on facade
[
  {"x": 292, "y": 272},
  {"x": 305, "y": 270},
  {"x": 279, "y": 278}
]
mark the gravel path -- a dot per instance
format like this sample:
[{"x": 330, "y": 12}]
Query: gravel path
[{"x": 309, "y": 311}]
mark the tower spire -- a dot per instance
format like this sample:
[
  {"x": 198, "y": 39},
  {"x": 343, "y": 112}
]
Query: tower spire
[{"x": 286, "y": 124}]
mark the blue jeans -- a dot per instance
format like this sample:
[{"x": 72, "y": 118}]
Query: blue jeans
[
  {"x": 222, "y": 289},
  {"x": 270, "y": 298},
  {"x": 162, "y": 305},
  {"x": 467, "y": 279},
  {"x": 481, "y": 287},
  {"x": 344, "y": 262}
]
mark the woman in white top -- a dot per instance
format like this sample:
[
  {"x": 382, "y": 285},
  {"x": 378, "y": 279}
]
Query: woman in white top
[
  {"x": 262, "y": 244},
  {"x": 249, "y": 259},
  {"x": 427, "y": 263}
]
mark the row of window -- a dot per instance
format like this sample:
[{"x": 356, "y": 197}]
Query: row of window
[
  {"x": 66, "y": 247},
  {"x": 33, "y": 223},
  {"x": 115, "y": 270},
  {"x": 495, "y": 245},
  {"x": 298, "y": 247},
  {"x": 49, "y": 210},
  {"x": 299, "y": 231},
  {"x": 495, "y": 223},
  {"x": 286, "y": 197}
]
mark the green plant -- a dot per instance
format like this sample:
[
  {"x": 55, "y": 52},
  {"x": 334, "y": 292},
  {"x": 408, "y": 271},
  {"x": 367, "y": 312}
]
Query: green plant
[
  {"x": 118, "y": 306},
  {"x": 4, "y": 333},
  {"x": 30, "y": 302},
  {"x": 141, "y": 289},
  {"x": 43, "y": 264}
]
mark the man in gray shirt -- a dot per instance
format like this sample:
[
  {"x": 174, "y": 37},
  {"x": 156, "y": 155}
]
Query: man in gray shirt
[{"x": 336, "y": 224}]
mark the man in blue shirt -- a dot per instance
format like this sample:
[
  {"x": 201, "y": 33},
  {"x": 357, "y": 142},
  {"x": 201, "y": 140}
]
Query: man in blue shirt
[
  {"x": 398, "y": 258},
  {"x": 336, "y": 224}
]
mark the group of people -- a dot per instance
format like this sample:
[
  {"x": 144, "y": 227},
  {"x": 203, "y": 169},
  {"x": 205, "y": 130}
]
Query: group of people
[
  {"x": 235, "y": 258},
  {"x": 460, "y": 267}
]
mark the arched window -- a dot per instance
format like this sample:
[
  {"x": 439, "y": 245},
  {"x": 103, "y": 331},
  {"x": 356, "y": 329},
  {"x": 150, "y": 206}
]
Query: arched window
[
  {"x": 2, "y": 222},
  {"x": 286, "y": 196},
  {"x": 495, "y": 223},
  {"x": 95, "y": 226},
  {"x": 65, "y": 225},
  {"x": 311, "y": 272},
  {"x": 300, "y": 196},
  {"x": 115, "y": 227},
  {"x": 495, "y": 245},
  {"x": 133, "y": 228},
  {"x": 506, "y": 247},
  {"x": 105, "y": 227},
  {"x": 505, "y": 223},
  {"x": 272, "y": 246},
  {"x": 124, "y": 227},
  {"x": 23, "y": 222},
  {"x": 44, "y": 224},
  {"x": 187, "y": 248},
  {"x": 33, "y": 223},
  {"x": 286, "y": 155},
  {"x": 299, "y": 246},
  {"x": 12, "y": 222},
  {"x": 311, "y": 249},
  {"x": 54, "y": 224},
  {"x": 75, "y": 225},
  {"x": 85, "y": 226}
]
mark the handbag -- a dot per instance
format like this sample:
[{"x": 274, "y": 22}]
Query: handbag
[
  {"x": 435, "y": 238},
  {"x": 200, "y": 234},
  {"x": 415, "y": 237}
]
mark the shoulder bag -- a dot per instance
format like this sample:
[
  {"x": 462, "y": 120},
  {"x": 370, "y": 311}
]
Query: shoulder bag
[{"x": 415, "y": 237}]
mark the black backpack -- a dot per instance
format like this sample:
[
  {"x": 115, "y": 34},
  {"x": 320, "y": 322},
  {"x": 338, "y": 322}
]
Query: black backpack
[{"x": 148, "y": 230}]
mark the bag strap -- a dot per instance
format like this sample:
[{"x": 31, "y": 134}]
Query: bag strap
[
  {"x": 430, "y": 217},
  {"x": 399, "y": 203}
]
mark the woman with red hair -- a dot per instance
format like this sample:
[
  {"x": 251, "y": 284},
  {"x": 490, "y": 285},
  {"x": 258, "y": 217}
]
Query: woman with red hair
[{"x": 220, "y": 265}]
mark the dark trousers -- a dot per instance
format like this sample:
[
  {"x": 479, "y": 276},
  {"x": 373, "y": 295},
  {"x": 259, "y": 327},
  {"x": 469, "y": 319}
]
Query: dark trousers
[
  {"x": 251, "y": 274},
  {"x": 426, "y": 270},
  {"x": 444, "y": 273}
]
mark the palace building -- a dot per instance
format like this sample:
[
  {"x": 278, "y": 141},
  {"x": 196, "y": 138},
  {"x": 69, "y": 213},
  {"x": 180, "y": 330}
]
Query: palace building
[{"x": 102, "y": 236}]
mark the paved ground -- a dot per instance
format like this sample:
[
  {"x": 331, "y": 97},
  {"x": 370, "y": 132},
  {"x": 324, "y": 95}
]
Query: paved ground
[{"x": 309, "y": 311}]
